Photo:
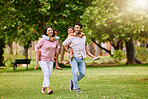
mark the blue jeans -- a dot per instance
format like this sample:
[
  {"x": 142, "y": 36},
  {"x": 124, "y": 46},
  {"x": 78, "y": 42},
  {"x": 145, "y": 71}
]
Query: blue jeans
[{"x": 78, "y": 70}]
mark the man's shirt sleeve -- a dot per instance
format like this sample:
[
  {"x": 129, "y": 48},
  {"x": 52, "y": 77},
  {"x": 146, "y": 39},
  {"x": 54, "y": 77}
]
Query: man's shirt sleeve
[{"x": 67, "y": 41}]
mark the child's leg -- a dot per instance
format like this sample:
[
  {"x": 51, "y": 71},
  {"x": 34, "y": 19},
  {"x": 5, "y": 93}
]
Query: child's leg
[{"x": 71, "y": 54}]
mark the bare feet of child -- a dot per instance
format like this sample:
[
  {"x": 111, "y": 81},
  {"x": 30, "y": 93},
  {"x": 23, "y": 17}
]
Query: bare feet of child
[
  {"x": 59, "y": 68},
  {"x": 96, "y": 58}
]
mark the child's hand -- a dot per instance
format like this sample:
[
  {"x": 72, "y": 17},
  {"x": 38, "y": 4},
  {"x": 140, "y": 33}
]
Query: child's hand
[{"x": 51, "y": 39}]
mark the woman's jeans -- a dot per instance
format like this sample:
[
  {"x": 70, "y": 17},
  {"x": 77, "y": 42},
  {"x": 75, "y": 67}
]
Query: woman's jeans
[
  {"x": 78, "y": 70},
  {"x": 47, "y": 70}
]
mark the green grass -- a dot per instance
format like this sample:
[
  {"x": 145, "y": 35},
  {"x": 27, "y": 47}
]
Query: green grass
[{"x": 111, "y": 82}]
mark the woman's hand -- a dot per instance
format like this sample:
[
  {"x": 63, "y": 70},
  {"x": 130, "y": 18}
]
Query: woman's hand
[{"x": 36, "y": 67}]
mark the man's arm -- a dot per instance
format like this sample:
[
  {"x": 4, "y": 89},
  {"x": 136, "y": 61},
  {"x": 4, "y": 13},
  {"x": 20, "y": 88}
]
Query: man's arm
[
  {"x": 66, "y": 43},
  {"x": 66, "y": 48}
]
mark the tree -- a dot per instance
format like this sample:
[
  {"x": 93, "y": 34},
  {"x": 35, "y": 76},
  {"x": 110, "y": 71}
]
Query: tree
[
  {"x": 17, "y": 15},
  {"x": 27, "y": 35},
  {"x": 8, "y": 26},
  {"x": 107, "y": 20}
]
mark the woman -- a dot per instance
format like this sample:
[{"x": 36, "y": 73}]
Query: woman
[{"x": 48, "y": 50}]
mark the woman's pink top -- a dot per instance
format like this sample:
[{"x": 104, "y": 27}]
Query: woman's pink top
[{"x": 47, "y": 49}]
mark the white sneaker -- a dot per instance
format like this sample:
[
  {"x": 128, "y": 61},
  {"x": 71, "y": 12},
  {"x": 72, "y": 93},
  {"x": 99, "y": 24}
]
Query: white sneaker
[{"x": 96, "y": 58}]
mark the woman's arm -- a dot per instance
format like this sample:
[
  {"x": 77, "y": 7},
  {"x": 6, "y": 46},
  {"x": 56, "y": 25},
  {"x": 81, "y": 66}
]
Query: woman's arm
[{"x": 38, "y": 52}]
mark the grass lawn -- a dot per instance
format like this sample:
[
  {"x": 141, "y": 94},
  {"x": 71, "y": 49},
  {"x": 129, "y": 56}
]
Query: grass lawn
[{"x": 111, "y": 82}]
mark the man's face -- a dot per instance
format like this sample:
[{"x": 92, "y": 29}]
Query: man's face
[{"x": 77, "y": 29}]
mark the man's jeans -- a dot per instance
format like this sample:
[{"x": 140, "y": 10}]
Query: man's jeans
[{"x": 77, "y": 65}]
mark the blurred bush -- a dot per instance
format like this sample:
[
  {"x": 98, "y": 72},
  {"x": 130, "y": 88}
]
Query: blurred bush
[
  {"x": 141, "y": 54},
  {"x": 119, "y": 54}
]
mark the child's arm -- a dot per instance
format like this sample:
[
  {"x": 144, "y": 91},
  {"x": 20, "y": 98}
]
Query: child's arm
[
  {"x": 72, "y": 34},
  {"x": 50, "y": 39},
  {"x": 82, "y": 33}
]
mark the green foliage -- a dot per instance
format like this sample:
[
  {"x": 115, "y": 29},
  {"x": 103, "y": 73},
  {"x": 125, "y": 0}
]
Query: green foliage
[
  {"x": 142, "y": 53},
  {"x": 9, "y": 58},
  {"x": 109, "y": 19},
  {"x": 119, "y": 54},
  {"x": 26, "y": 36}
]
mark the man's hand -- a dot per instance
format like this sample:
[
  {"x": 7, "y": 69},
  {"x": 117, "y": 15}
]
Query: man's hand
[{"x": 66, "y": 48}]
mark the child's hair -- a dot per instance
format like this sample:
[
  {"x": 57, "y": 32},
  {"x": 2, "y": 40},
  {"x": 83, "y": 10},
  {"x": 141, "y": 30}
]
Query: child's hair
[
  {"x": 79, "y": 24},
  {"x": 70, "y": 27},
  {"x": 55, "y": 30},
  {"x": 45, "y": 30}
]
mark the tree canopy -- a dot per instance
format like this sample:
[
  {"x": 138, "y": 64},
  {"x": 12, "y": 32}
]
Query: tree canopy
[{"x": 107, "y": 20}]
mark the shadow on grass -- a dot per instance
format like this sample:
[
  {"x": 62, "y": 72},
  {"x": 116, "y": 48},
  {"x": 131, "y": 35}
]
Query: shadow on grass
[
  {"x": 30, "y": 68},
  {"x": 116, "y": 65},
  {"x": 68, "y": 66}
]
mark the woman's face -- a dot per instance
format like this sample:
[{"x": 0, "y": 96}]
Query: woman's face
[
  {"x": 49, "y": 32},
  {"x": 70, "y": 30}
]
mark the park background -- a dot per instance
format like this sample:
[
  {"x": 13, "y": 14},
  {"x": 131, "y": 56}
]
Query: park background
[{"x": 116, "y": 31}]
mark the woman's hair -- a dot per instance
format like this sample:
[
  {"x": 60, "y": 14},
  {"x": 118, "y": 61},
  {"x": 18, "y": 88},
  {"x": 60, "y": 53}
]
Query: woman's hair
[
  {"x": 70, "y": 27},
  {"x": 45, "y": 30}
]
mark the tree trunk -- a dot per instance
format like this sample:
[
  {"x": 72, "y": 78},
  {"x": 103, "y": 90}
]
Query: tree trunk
[
  {"x": 130, "y": 52},
  {"x": 26, "y": 53},
  {"x": 117, "y": 44},
  {"x": 100, "y": 50},
  {"x": 61, "y": 54},
  {"x": 30, "y": 49},
  {"x": 2, "y": 45},
  {"x": 11, "y": 48},
  {"x": 15, "y": 48},
  {"x": 33, "y": 45},
  {"x": 147, "y": 44},
  {"x": 96, "y": 50}
]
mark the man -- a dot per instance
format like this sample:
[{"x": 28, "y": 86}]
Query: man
[{"x": 79, "y": 53}]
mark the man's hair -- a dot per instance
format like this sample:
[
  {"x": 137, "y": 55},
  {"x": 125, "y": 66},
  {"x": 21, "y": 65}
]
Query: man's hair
[
  {"x": 70, "y": 27},
  {"x": 45, "y": 30},
  {"x": 79, "y": 24}
]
